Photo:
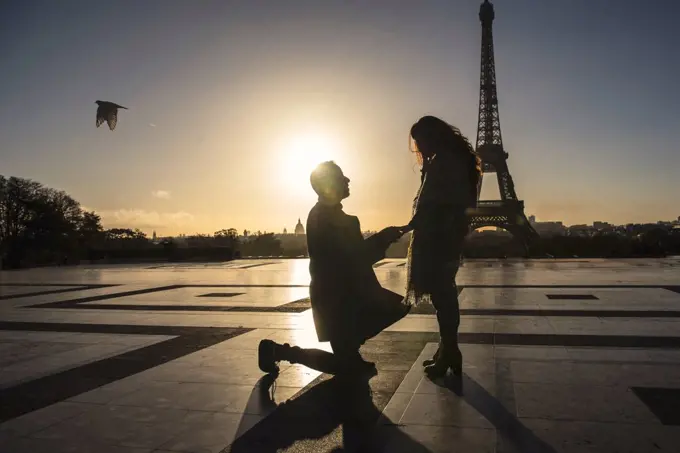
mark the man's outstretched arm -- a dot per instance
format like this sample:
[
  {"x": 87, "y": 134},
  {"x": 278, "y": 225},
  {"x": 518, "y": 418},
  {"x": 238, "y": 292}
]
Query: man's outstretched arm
[{"x": 376, "y": 246}]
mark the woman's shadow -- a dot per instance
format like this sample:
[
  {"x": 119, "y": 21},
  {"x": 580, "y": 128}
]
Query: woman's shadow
[
  {"x": 311, "y": 421},
  {"x": 515, "y": 436}
]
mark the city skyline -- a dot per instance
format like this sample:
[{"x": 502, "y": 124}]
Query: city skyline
[
  {"x": 232, "y": 105},
  {"x": 285, "y": 230}
]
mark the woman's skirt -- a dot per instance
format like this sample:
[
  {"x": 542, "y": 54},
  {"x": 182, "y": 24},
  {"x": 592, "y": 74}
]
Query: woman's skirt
[{"x": 433, "y": 261}]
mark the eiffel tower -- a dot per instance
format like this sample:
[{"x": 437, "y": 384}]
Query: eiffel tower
[{"x": 508, "y": 212}]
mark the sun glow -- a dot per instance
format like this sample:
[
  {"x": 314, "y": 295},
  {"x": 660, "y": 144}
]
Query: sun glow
[{"x": 301, "y": 155}]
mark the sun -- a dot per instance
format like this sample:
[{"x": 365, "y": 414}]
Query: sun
[{"x": 302, "y": 154}]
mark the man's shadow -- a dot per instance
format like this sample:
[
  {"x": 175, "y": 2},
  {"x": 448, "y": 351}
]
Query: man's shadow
[{"x": 311, "y": 420}]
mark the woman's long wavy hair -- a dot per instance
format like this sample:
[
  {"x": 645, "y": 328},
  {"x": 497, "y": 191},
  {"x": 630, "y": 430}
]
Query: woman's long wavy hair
[{"x": 439, "y": 136}]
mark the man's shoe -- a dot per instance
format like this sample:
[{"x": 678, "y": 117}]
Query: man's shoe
[{"x": 266, "y": 357}]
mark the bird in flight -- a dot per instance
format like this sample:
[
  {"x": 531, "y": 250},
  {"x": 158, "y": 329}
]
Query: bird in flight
[{"x": 108, "y": 111}]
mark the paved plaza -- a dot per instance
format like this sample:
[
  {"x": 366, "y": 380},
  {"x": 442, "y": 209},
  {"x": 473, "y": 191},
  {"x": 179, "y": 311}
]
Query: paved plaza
[{"x": 559, "y": 356}]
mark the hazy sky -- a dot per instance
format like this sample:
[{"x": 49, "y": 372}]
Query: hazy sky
[{"x": 225, "y": 96}]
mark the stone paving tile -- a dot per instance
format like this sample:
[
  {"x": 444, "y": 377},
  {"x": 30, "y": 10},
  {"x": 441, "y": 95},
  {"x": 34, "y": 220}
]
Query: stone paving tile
[
  {"x": 107, "y": 393},
  {"x": 15, "y": 352},
  {"x": 245, "y": 296},
  {"x": 624, "y": 355},
  {"x": 202, "y": 397},
  {"x": 581, "y": 402},
  {"x": 436, "y": 439},
  {"x": 597, "y": 374},
  {"x": 523, "y": 324},
  {"x": 652, "y": 298},
  {"x": 32, "y": 445},
  {"x": 594, "y": 437},
  {"x": 55, "y": 297},
  {"x": 34, "y": 336},
  {"x": 555, "y": 353},
  {"x": 15, "y": 290},
  {"x": 46, "y": 364},
  {"x": 37, "y": 420},
  {"x": 121, "y": 426},
  {"x": 211, "y": 432},
  {"x": 443, "y": 409}
]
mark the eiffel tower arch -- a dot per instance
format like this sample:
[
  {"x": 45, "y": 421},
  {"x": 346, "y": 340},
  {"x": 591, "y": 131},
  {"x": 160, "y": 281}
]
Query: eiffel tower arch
[{"x": 508, "y": 211}]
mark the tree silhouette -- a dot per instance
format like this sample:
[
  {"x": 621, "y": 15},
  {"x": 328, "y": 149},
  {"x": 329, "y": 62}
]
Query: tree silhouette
[
  {"x": 38, "y": 224},
  {"x": 227, "y": 238},
  {"x": 125, "y": 234},
  {"x": 262, "y": 245}
]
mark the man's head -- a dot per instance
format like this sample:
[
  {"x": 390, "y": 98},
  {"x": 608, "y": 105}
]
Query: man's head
[{"x": 329, "y": 182}]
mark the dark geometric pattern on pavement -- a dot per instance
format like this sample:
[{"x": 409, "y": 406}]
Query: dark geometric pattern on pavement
[
  {"x": 663, "y": 402},
  {"x": 304, "y": 304},
  {"x": 66, "y": 289},
  {"x": 38, "y": 393},
  {"x": 571, "y": 297}
]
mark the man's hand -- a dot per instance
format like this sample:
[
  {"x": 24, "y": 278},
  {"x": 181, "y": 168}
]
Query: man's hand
[{"x": 391, "y": 234}]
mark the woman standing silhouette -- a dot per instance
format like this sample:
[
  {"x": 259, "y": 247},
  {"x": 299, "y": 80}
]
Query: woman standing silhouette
[{"x": 451, "y": 174}]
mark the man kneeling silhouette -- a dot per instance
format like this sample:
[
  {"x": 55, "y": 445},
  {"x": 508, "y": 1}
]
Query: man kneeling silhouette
[{"x": 348, "y": 304}]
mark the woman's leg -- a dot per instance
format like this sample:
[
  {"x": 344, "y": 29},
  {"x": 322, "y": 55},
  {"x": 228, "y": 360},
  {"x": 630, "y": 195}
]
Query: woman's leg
[
  {"x": 448, "y": 313},
  {"x": 445, "y": 301}
]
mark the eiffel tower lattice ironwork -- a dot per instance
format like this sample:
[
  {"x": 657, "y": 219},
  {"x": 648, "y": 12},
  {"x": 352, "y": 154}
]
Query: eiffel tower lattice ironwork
[{"x": 508, "y": 212}]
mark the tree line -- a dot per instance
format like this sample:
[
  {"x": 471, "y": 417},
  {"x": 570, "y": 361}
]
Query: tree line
[{"x": 42, "y": 226}]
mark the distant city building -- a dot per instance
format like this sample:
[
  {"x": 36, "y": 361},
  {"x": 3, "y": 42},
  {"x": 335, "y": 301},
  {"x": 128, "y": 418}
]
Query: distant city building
[
  {"x": 299, "y": 229},
  {"x": 294, "y": 244},
  {"x": 547, "y": 228},
  {"x": 550, "y": 228},
  {"x": 598, "y": 225},
  {"x": 582, "y": 230}
]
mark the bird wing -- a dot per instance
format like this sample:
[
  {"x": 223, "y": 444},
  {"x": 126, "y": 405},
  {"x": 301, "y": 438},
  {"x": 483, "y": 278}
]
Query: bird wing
[
  {"x": 101, "y": 116},
  {"x": 112, "y": 118}
]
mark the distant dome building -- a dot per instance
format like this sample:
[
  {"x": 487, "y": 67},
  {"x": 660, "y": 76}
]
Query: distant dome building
[{"x": 299, "y": 229}]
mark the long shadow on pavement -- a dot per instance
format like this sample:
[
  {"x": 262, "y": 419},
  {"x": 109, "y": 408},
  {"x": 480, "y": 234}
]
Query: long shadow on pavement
[
  {"x": 515, "y": 436},
  {"x": 336, "y": 415}
]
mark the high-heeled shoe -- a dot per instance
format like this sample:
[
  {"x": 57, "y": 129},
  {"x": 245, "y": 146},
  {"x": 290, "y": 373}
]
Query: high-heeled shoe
[
  {"x": 449, "y": 357},
  {"x": 428, "y": 362}
]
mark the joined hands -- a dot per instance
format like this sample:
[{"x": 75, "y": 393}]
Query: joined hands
[{"x": 393, "y": 233}]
